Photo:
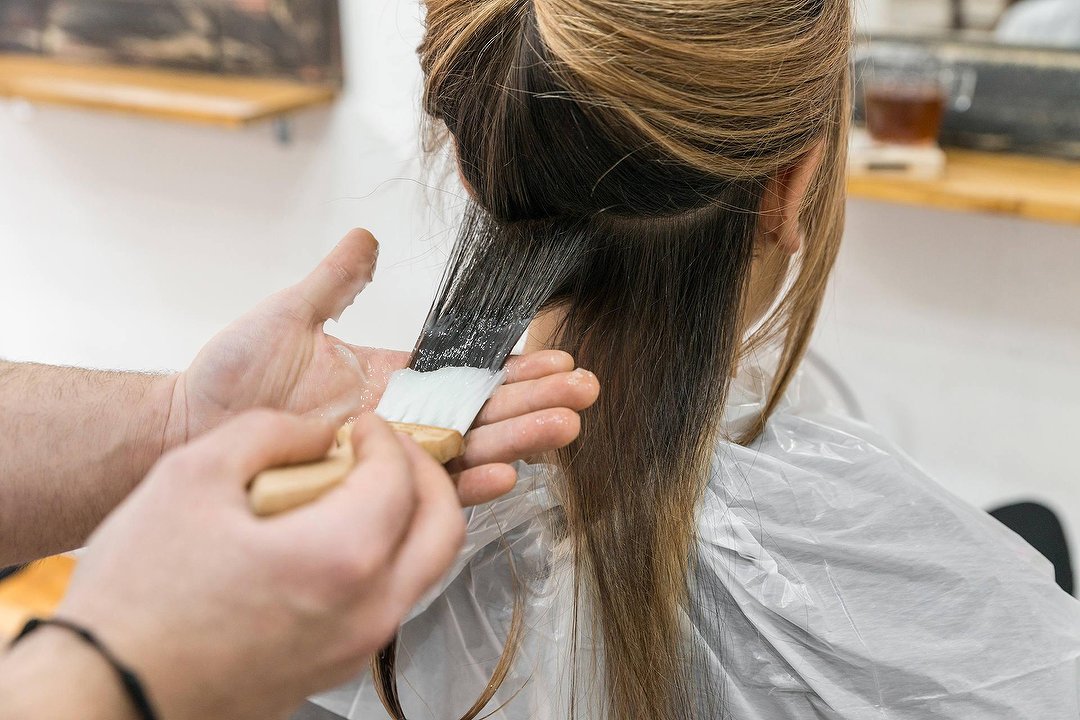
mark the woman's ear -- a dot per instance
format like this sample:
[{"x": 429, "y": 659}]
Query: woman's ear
[
  {"x": 464, "y": 181},
  {"x": 783, "y": 199}
]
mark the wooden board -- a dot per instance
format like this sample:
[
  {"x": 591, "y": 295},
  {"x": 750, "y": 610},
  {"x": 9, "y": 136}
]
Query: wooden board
[
  {"x": 150, "y": 92},
  {"x": 1028, "y": 187},
  {"x": 36, "y": 591}
]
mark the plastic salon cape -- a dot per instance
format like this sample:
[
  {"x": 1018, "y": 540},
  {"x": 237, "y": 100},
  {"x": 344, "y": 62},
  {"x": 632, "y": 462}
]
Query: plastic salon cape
[{"x": 844, "y": 583}]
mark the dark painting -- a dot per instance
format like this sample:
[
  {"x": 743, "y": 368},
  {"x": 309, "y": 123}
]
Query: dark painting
[
  {"x": 21, "y": 25},
  {"x": 291, "y": 38}
]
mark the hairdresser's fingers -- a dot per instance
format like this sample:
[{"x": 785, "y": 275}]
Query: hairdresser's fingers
[
  {"x": 521, "y": 437},
  {"x": 479, "y": 485},
  {"x": 382, "y": 480},
  {"x": 576, "y": 390},
  {"x": 250, "y": 443},
  {"x": 374, "y": 505},
  {"x": 435, "y": 535},
  {"x": 340, "y": 277},
  {"x": 541, "y": 363}
]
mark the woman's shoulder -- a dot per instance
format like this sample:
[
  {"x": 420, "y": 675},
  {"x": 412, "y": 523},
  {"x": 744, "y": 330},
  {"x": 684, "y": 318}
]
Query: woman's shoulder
[
  {"x": 868, "y": 582},
  {"x": 835, "y": 476}
]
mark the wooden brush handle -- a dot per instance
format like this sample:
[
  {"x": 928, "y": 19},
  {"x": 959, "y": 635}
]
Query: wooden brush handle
[
  {"x": 441, "y": 444},
  {"x": 281, "y": 489}
]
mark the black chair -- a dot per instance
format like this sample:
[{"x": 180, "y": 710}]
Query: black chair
[{"x": 1042, "y": 529}]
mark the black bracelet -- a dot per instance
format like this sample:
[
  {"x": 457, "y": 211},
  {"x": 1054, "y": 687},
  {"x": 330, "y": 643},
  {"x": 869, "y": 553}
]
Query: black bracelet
[{"x": 128, "y": 679}]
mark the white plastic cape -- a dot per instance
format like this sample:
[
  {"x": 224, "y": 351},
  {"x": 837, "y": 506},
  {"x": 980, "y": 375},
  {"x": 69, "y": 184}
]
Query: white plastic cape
[{"x": 836, "y": 580}]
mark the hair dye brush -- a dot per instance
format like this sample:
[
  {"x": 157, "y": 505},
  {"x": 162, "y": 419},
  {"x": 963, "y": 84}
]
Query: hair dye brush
[{"x": 497, "y": 279}]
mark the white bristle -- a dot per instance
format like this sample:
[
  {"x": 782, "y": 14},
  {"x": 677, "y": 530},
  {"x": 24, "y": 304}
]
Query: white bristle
[{"x": 447, "y": 398}]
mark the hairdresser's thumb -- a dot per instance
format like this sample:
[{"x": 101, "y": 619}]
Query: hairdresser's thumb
[{"x": 340, "y": 277}]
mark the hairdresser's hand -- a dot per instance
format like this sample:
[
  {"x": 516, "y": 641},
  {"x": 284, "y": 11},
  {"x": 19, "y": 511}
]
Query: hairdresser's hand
[
  {"x": 535, "y": 412},
  {"x": 225, "y": 615},
  {"x": 279, "y": 356}
]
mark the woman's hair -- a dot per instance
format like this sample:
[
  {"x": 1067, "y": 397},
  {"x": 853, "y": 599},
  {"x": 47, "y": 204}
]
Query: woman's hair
[{"x": 627, "y": 145}]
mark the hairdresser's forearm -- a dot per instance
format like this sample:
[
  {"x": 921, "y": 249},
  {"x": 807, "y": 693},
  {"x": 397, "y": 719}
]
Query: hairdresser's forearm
[{"x": 73, "y": 443}]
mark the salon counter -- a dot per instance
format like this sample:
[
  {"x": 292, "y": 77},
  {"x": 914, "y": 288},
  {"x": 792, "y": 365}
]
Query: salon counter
[{"x": 1029, "y": 187}]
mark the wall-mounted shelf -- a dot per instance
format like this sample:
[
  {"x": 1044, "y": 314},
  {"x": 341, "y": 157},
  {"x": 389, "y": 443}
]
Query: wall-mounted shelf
[
  {"x": 1028, "y": 187},
  {"x": 165, "y": 94}
]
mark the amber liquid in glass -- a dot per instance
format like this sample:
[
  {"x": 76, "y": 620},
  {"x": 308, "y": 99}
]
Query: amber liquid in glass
[{"x": 905, "y": 113}]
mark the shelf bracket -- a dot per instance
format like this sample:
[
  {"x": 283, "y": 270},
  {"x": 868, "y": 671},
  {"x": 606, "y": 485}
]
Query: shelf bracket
[{"x": 283, "y": 130}]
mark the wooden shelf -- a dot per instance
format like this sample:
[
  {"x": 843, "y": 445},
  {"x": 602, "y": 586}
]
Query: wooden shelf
[
  {"x": 191, "y": 97},
  {"x": 1028, "y": 187},
  {"x": 1035, "y": 188}
]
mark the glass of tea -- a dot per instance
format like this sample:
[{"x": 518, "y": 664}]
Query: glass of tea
[{"x": 906, "y": 92}]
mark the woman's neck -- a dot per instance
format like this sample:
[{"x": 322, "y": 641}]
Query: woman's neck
[
  {"x": 542, "y": 330},
  {"x": 767, "y": 274}
]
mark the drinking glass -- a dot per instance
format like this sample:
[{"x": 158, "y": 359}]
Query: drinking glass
[{"x": 906, "y": 92}]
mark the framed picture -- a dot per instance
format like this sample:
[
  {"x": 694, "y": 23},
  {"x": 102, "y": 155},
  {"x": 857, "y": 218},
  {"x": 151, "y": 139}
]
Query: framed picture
[
  {"x": 285, "y": 38},
  {"x": 21, "y": 25}
]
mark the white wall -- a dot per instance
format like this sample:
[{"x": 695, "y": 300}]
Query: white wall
[
  {"x": 126, "y": 243},
  {"x": 960, "y": 335},
  {"x": 871, "y": 15},
  {"x": 878, "y": 16}
]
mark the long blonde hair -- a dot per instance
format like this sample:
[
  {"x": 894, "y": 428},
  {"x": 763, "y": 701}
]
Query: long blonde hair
[{"x": 637, "y": 137}]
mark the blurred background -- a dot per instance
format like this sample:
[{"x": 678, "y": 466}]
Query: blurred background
[{"x": 133, "y": 227}]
